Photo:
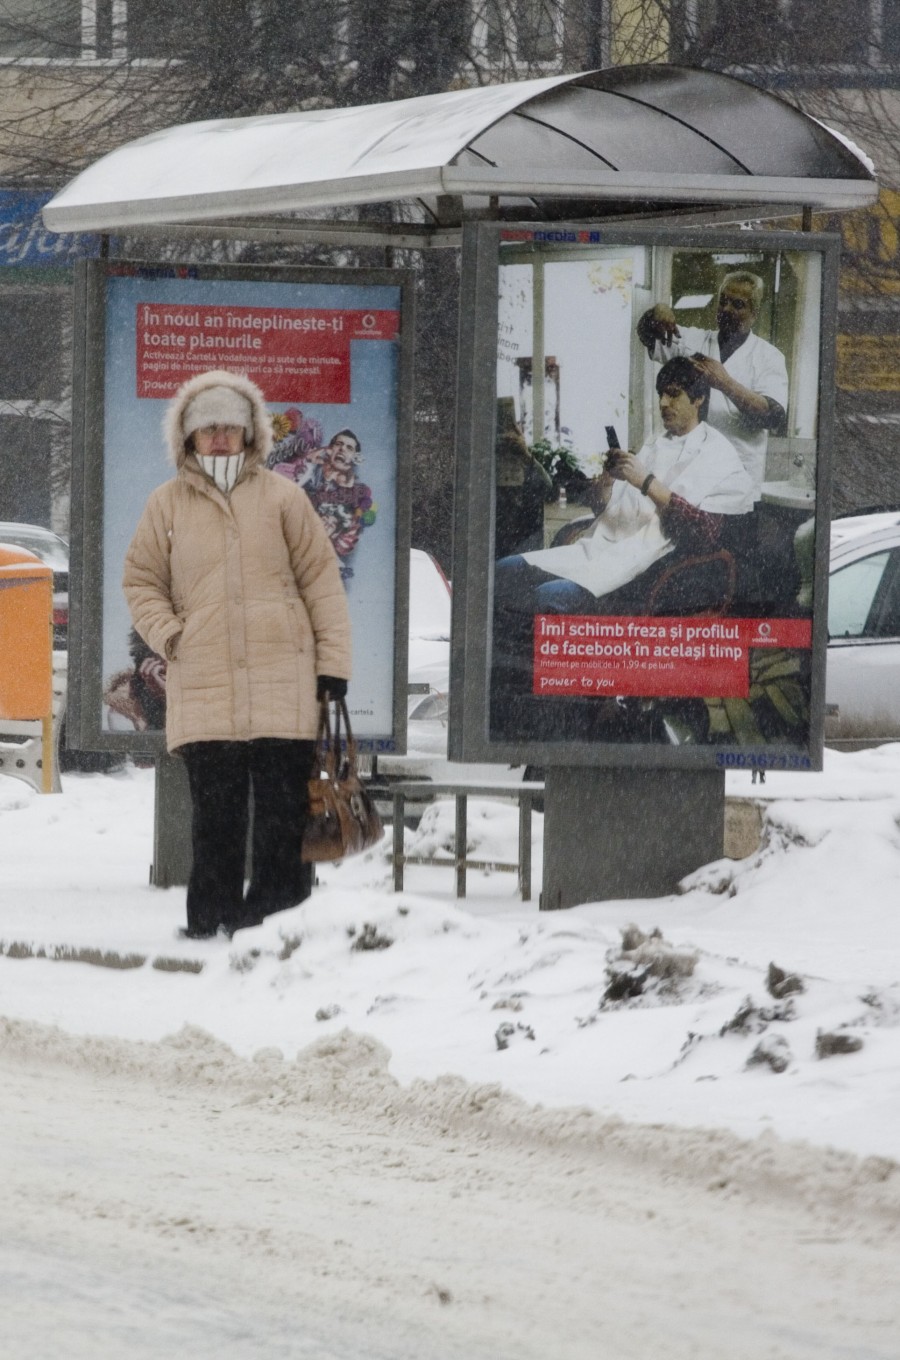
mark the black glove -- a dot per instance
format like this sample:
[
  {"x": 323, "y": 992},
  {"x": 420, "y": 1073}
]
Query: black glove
[{"x": 330, "y": 687}]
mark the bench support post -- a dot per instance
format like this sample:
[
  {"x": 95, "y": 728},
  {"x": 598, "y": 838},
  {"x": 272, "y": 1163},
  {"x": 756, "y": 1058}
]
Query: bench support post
[
  {"x": 525, "y": 845},
  {"x": 399, "y": 814},
  {"x": 462, "y": 835}
]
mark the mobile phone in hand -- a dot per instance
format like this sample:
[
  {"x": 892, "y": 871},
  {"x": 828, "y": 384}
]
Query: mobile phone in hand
[{"x": 612, "y": 439}]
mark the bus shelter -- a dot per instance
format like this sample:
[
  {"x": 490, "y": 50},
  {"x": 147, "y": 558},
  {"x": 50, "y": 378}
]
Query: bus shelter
[{"x": 577, "y": 201}]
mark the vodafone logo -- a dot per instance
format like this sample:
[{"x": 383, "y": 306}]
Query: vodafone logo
[
  {"x": 791, "y": 633},
  {"x": 369, "y": 322}
]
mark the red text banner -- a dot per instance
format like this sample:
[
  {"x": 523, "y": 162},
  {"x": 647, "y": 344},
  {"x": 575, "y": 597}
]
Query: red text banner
[
  {"x": 293, "y": 354},
  {"x": 704, "y": 658}
]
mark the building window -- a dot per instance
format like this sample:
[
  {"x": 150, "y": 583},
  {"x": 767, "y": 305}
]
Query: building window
[
  {"x": 35, "y": 414},
  {"x": 160, "y": 29},
  {"x": 521, "y": 32},
  {"x": 90, "y": 30},
  {"x": 890, "y": 31},
  {"x": 791, "y": 33},
  {"x": 31, "y": 357},
  {"x": 40, "y": 28}
]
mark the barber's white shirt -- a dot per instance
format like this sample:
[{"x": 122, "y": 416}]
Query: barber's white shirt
[
  {"x": 755, "y": 364},
  {"x": 702, "y": 467}
]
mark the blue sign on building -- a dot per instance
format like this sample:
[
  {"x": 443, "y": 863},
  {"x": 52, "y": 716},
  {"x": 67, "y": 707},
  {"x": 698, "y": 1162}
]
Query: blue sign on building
[{"x": 25, "y": 241}]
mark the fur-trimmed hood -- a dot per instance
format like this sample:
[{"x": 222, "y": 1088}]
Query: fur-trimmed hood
[{"x": 258, "y": 451}]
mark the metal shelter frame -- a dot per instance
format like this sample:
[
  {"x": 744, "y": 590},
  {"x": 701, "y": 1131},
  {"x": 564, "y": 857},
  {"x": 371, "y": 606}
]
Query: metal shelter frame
[{"x": 632, "y": 141}]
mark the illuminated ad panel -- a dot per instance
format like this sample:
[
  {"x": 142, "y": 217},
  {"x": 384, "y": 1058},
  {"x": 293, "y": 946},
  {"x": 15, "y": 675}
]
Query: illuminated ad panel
[
  {"x": 655, "y": 440},
  {"x": 326, "y": 349}
]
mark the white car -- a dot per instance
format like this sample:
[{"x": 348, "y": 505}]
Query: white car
[
  {"x": 429, "y": 639},
  {"x": 862, "y": 690}
]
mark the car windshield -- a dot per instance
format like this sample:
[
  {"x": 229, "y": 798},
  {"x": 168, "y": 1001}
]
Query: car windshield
[{"x": 47, "y": 546}]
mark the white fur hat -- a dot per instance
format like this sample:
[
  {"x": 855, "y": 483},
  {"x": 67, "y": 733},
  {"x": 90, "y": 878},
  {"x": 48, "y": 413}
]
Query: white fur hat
[{"x": 218, "y": 406}]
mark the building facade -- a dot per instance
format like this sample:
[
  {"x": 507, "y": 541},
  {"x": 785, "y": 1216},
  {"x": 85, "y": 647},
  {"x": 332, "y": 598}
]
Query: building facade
[{"x": 78, "y": 77}]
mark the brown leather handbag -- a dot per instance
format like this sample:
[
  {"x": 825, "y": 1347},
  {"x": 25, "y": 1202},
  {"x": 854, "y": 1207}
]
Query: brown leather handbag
[{"x": 342, "y": 818}]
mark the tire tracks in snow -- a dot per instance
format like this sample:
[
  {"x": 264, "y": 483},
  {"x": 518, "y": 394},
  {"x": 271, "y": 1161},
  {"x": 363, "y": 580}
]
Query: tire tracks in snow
[{"x": 320, "y": 1203}]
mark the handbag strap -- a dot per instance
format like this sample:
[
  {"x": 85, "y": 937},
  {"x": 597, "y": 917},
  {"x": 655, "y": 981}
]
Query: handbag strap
[
  {"x": 324, "y": 761},
  {"x": 328, "y": 739},
  {"x": 341, "y": 712}
]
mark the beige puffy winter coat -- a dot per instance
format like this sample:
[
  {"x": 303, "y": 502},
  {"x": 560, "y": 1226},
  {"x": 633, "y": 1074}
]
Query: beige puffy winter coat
[{"x": 242, "y": 593}]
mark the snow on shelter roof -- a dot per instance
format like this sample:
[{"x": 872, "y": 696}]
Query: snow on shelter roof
[{"x": 644, "y": 135}]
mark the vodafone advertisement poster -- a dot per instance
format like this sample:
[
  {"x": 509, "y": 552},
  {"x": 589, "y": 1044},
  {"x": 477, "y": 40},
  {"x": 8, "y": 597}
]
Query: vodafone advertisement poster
[
  {"x": 286, "y": 351},
  {"x": 655, "y": 467},
  {"x": 705, "y": 658},
  {"x": 327, "y": 358}
]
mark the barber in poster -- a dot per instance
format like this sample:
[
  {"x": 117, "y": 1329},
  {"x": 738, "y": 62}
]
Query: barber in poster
[
  {"x": 672, "y": 495},
  {"x": 747, "y": 375}
]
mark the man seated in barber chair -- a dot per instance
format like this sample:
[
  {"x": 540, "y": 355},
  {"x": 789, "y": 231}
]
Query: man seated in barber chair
[{"x": 668, "y": 502}]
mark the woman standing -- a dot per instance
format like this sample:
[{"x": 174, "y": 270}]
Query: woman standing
[{"x": 231, "y": 577}]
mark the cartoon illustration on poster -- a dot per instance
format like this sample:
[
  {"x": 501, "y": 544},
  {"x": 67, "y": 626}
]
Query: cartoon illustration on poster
[
  {"x": 326, "y": 357},
  {"x": 655, "y": 470}
]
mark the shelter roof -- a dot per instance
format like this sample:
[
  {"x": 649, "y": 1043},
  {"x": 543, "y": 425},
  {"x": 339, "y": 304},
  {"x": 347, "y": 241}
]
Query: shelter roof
[{"x": 636, "y": 140}]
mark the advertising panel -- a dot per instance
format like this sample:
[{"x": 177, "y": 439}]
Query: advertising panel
[
  {"x": 655, "y": 435},
  {"x": 327, "y": 350}
]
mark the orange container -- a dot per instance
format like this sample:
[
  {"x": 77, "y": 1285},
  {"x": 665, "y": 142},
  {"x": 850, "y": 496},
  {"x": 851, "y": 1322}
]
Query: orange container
[{"x": 26, "y": 635}]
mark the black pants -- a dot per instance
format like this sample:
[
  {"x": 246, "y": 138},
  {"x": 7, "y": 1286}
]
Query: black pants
[{"x": 221, "y": 774}]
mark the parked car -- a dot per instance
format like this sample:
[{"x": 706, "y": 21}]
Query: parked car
[
  {"x": 862, "y": 691},
  {"x": 53, "y": 552},
  {"x": 429, "y": 639}
]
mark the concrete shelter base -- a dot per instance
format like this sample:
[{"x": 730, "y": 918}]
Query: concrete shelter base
[{"x": 611, "y": 833}]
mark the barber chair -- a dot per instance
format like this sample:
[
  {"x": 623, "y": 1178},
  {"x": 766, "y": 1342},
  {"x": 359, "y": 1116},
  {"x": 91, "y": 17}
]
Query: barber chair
[{"x": 700, "y": 583}]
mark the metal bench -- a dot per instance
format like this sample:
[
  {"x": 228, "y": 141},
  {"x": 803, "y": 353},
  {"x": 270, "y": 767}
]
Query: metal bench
[{"x": 420, "y": 790}]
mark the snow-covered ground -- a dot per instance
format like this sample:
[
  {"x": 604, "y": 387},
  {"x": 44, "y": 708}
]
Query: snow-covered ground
[
  {"x": 643, "y": 1054},
  {"x": 550, "y": 1005}
]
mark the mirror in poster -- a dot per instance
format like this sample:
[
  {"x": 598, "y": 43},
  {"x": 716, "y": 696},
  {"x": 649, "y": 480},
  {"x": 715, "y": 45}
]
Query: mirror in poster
[{"x": 662, "y": 591}]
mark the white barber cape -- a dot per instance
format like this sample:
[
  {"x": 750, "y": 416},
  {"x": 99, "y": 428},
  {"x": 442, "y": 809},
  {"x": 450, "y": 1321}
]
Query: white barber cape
[
  {"x": 627, "y": 538},
  {"x": 755, "y": 364}
]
